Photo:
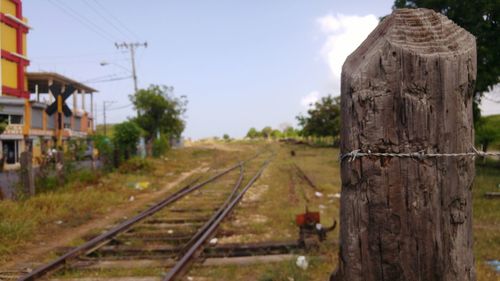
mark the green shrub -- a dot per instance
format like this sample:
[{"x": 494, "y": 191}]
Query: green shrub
[
  {"x": 105, "y": 148},
  {"x": 160, "y": 146},
  {"x": 46, "y": 184},
  {"x": 125, "y": 138}
]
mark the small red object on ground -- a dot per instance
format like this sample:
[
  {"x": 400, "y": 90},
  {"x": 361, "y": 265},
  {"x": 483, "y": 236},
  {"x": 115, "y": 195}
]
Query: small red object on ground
[{"x": 307, "y": 218}]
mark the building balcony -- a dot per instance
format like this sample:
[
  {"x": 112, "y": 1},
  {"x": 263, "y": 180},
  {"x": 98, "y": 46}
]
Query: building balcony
[{"x": 32, "y": 125}]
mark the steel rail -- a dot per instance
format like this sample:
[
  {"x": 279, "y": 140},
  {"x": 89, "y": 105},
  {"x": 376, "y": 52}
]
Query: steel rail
[
  {"x": 183, "y": 262},
  {"x": 104, "y": 238},
  {"x": 224, "y": 205}
]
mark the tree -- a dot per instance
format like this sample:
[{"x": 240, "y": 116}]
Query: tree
[
  {"x": 323, "y": 119},
  {"x": 266, "y": 132},
  {"x": 252, "y": 133},
  {"x": 160, "y": 146},
  {"x": 226, "y": 137},
  {"x": 125, "y": 138},
  {"x": 480, "y": 18},
  {"x": 487, "y": 132},
  {"x": 160, "y": 112},
  {"x": 105, "y": 148},
  {"x": 290, "y": 132},
  {"x": 276, "y": 134}
]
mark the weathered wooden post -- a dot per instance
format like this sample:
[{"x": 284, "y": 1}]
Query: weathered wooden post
[
  {"x": 407, "y": 91},
  {"x": 27, "y": 173}
]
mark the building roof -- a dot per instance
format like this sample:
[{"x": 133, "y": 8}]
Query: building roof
[{"x": 42, "y": 80}]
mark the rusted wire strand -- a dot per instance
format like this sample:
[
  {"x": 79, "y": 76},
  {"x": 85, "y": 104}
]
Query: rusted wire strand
[{"x": 420, "y": 155}]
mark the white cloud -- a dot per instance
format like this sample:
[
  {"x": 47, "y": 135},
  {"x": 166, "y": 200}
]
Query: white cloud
[
  {"x": 490, "y": 103},
  {"x": 344, "y": 33},
  {"x": 310, "y": 99}
]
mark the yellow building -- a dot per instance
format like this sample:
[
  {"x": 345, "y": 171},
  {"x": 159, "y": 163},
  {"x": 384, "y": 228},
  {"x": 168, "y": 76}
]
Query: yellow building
[
  {"x": 13, "y": 45},
  {"x": 29, "y": 103}
]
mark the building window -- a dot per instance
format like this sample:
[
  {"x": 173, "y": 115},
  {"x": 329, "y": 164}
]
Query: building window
[
  {"x": 11, "y": 119},
  {"x": 10, "y": 151},
  {"x": 16, "y": 119}
]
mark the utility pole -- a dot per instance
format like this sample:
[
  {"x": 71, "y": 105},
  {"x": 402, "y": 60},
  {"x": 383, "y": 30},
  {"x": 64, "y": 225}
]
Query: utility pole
[
  {"x": 104, "y": 113},
  {"x": 132, "y": 47}
]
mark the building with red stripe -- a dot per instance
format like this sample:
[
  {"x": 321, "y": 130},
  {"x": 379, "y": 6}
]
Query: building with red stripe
[{"x": 25, "y": 97}]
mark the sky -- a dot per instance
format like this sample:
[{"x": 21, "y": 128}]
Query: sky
[{"x": 241, "y": 64}]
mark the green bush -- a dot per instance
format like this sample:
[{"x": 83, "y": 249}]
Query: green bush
[
  {"x": 160, "y": 146},
  {"x": 125, "y": 138},
  {"x": 105, "y": 147},
  {"x": 46, "y": 184}
]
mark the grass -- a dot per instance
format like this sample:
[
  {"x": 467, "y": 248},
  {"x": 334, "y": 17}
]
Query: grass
[
  {"x": 48, "y": 213},
  {"x": 270, "y": 197},
  {"x": 486, "y": 223},
  {"x": 87, "y": 196},
  {"x": 271, "y": 217},
  {"x": 279, "y": 271},
  {"x": 494, "y": 121},
  {"x": 267, "y": 213}
]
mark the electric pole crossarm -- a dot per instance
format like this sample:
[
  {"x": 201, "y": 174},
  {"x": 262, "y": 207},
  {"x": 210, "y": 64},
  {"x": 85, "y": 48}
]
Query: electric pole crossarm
[{"x": 132, "y": 47}]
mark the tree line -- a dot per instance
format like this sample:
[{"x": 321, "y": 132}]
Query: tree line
[
  {"x": 270, "y": 133},
  {"x": 321, "y": 123}
]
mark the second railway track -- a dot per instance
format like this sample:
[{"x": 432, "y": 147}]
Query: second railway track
[{"x": 163, "y": 241}]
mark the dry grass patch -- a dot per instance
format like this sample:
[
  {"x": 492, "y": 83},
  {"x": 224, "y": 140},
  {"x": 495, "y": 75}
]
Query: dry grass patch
[{"x": 38, "y": 220}]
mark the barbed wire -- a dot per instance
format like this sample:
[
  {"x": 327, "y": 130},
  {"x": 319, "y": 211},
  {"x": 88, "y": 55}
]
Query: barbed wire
[{"x": 420, "y": 155}]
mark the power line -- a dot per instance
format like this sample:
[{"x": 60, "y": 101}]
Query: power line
[
  {"x": 121, "y": 107},
  {"x": 106, "y": 19},
  {"x": 103, "y": 77},
  {"x": 132, "y": 47},
  {"x": 83, "y": 20},
  {"x": 58, "y": 62},
  {"x": 101, "y": 114},
  {"x": 109, "y": 80},
  {"x": 77, "y": 17},
  {"x": 116, "y": 19},
  {"x": 77, "y": 55}
]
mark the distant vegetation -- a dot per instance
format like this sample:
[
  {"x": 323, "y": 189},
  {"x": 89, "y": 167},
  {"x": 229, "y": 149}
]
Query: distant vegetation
[
  {"x": 488, "y": 132},
  {"x": 270, "y": 133},
  {"x": 321, "y": 125},
  {"x": 160, "y": 113},
  {"x": 99, "y": 129},
  {"x": 323, "y": 119},
  {"x": 160, "y": 119}
]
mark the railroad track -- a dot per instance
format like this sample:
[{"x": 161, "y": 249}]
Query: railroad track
[{"x": 167, "y": 238}]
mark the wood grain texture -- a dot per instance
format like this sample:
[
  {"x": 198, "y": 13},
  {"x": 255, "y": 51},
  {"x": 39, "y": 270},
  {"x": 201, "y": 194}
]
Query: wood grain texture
[{"x": 408, "y": 88}]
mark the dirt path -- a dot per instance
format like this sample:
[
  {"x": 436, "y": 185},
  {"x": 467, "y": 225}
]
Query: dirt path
[{"x": 35, "y": 252}]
